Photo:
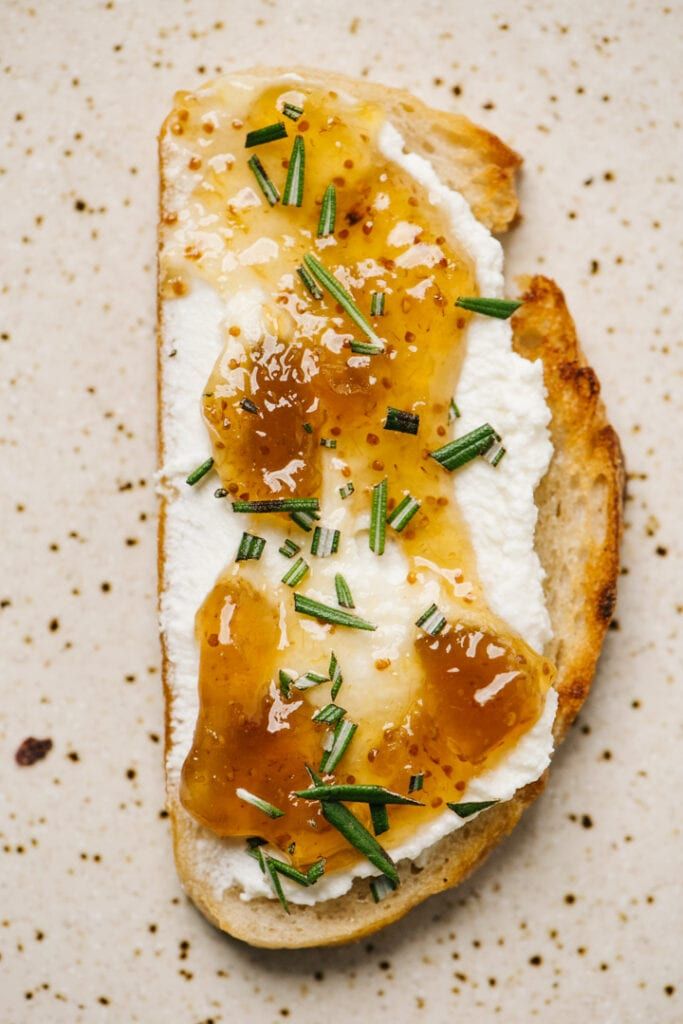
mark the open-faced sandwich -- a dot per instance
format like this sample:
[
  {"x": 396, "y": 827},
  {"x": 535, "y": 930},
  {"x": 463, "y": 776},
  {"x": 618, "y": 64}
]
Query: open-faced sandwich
[{"x": 391, "y": 504}]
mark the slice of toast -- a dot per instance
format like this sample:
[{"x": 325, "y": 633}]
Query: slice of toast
[{"x": 577, "y": 538}]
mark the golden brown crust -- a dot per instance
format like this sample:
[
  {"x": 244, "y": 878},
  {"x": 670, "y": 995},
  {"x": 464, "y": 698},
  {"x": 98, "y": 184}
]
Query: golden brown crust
[{"x": 577, "y": 539}]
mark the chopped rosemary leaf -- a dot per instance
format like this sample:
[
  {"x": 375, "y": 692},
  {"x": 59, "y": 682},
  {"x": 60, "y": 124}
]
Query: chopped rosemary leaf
[
  {"x": 377, "y": 304},
  {"x": 340, "y": 295},
  {"x": 360, "y": 794},
  {"x": 308, "y": 427},
  {"x": 463, "y": 449},
  {"x": 432, "y": 621},
  {"x": 381, "y": 888},
  {"x": 453, "y": 411},
  {"x": 403, "y": 513},
  {"x": 330, "y": 714},
  {"x": 275, "y": 882},
  {"x": 285, "y": 681},
  {"x": 291, "y": 111},
  {"x": 251, "y": 547},
  {"x": 356, "y": 834},
  {"x": 220, "y": 492},
  {"x": 379, "y": 815},
  {"x": 293, "y": 194},
  {"x": 316, "y": 871},
  {"x": 289, "y": 548},
  {"x": 494, "y": 454},
  {"x": 316, "y": 610},
  {"x": 325, "y": 542},
  {"x": 499, "y": 308},
  {"x": 310, "y": 679},
  {"x": 196, "y": 474},
  {"x": 296, "y": 573},
  {"x": 416, "y": 782},
  {"x": 254, "y": 841},
  {"x": 277, "y": 505},
  {"x": 270, "y": 133},
  {"x": 283, "y": 868},
  {"x": 309, "y": 283},
  {"x": 328, "y": 212},
  {"x": 346, "y": 491},
  {"x": 343, "y": 734},
  {"x": 335, "y": 674},
  {"x": 378, "y": 517},
  {"x": 306, "y": 520},
  {"x": 344, "y": 595},
  {"x": 467, "y": 809},
  {"x": 403, "y": 422},
  {"x": 364, "y": 348},
  {"x": 258, "y": 803},
  {"x": 265, "y": 184},
  {"x": 328, "y": 442},
  {"x": 249, "y": 406}
]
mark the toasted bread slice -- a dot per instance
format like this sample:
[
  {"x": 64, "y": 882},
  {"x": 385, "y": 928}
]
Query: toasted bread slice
[{"x": 577, "y": 540}]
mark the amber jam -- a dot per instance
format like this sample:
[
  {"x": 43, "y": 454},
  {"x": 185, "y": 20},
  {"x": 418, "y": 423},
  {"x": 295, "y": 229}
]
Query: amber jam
[{"x": 447, "y": 706}]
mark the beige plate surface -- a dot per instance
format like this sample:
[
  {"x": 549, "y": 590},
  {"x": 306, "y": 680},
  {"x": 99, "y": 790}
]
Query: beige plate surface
[{"x": 578, "y": 915}]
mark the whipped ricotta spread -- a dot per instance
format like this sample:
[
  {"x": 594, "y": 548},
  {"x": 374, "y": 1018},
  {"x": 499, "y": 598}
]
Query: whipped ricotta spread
[{"x": 498, "y": 507}]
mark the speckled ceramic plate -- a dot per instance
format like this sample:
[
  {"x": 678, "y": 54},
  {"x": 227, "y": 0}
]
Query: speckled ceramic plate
[{"x": 578, "y": 915}]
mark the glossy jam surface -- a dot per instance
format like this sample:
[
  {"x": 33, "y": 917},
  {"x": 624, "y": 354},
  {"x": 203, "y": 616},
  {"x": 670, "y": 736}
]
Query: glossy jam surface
[{"x": 447, "y": 706}]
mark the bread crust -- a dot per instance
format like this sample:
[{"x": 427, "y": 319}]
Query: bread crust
[{"x": 577, "y": 538}]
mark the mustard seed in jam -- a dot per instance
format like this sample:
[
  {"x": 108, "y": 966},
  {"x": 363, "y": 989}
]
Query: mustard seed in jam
[{"x": 292, "y": 374}]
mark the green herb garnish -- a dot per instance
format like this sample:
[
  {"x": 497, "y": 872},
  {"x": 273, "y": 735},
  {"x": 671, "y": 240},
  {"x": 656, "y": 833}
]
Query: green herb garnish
[
  {"x": 196, "y": 474},
  {"x": 291, "y": 111},
  {"x": 360, "y": 794},
  {"x": 335, "y": 674},
  {"x": 285, "y": 681},
  {"x": 346, "y": 491},
  {"x": 310, "y": 679},
  {"x": 330, "y": 715},
  {"x": 310, "y": 283},
  {"x": 306, "y": 520},
  {"x": 293, "y": 194},
  {"x": 464, "y": 449},
  {"x": 378, "y": 517},
  {"x": 467, "y": 809},
  {"x": 261, "y": 805},
  {"x": 344, "y": 595},
  {"x": 403, "y": 513},
  {"x": 377, "y": 304},
  {"x": 403, "y": 422},
  {"x": 325, "y": 542},
  {"x": 268, "y": 188},
  {"x": 220, "y": 492},
  {"x": 416, "y": 782},
  {"x": 379, "y": 815},
  {"x": 289, "y": 548},
  {"x": 251, "y": 547},
  {"x": 343, "y": 734},
  {"x": 271, "y": 133},
  {"x": 453, "y": 411},
  {"x": 328, "y": 442},
  {"x": 381, "y": 888},
  {"x": 308, "y": 427},
  {"x": 364, "y": 348},
  {"x": 315, "y": 871},
  {"x": 296, "y": 573},
  {"x": 277, "y": 505},
  {"x": 249, "y": 406},
  {"x": 356, "y": 834},
  {"x": 499, "y": 308},
  {"x": 432, "y": 621},
  {"x": 317, "y": 610},
  {"x": 328, "y": 212},
  {"x": 340, "y": 295}
]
